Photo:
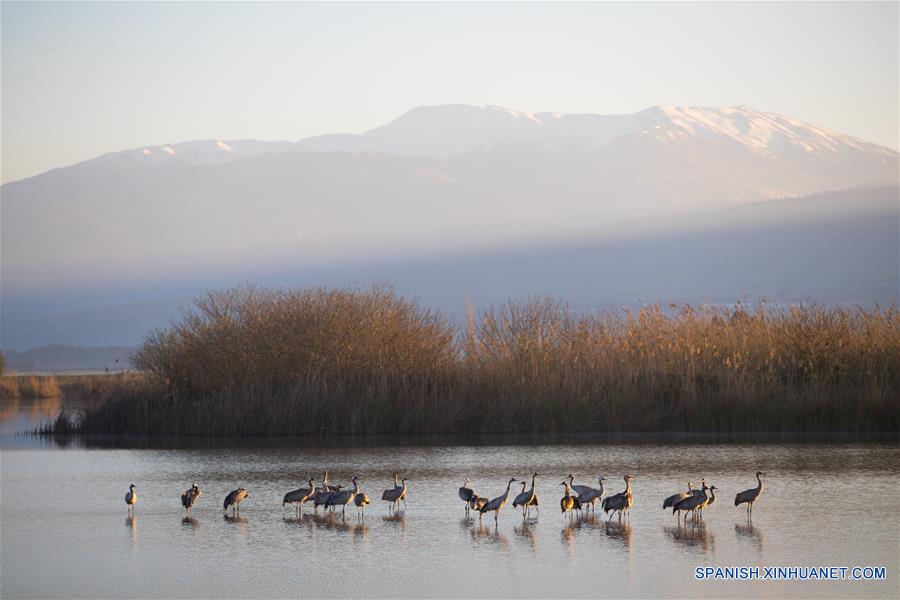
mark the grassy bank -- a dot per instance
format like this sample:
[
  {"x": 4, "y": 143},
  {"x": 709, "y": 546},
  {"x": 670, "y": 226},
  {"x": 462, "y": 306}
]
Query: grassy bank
[{"x": 248, "y": 361}]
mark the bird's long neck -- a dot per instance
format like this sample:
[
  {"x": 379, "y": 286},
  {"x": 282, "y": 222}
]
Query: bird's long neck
[
  {"x": 568, "y": 491},
  {"x": 627, "y": 487},
  {"x": 712, "y": 495},
  {"x": 533, "y": 477},
  {"x": 396, "y": 481},
  {"x": 404, "y": 485},
  {"x": 760, "y": 486},
  {"x": 601, "y": 486},
  {"x": 355, "y": 487}
]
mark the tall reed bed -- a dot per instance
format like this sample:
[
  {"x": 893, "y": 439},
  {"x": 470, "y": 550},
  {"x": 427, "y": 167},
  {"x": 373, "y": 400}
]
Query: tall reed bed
[
  {"x": 251, "y": 361},
  {"x": 28, "y": 386}
]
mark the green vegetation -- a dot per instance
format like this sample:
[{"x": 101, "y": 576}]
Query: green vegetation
[{"x": 249, "y": 361}]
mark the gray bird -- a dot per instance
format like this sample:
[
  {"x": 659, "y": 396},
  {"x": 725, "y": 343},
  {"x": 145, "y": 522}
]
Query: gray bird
[
  {"x": 395, "y": 494},
  {"x": 709, "y": 502},
  {"x": 676, "y": 498},
  {"x": 322, "y": 496},
  {"x": 692, "y": 503},
  {"x": 190, "y": 497},
  {"x": 328, "y": 486},
  {"x": 465, "y": 494},
  {"x": 527, "y": 499},
  {"x": 234, "y": 499},
  {"x": 299, "y": 496},
  {"x": 588, "y": 495},
  {"x": 343, "y": 498},
  {"x": 361, "y": 500},
  {"x": 477, "y": 503},
  {"x": 497, "y": 503},
  {"x": 619, "y": 502},
  {"x": 131, "y": 498},
  {"x": 750, "y": 496}
]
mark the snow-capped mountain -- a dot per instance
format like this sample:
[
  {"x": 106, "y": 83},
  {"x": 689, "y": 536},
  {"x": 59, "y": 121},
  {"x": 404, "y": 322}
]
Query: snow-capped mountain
[
  {"x": 434, "y": 178},
  {"x": 449, "y": 130},
  {"x": 505, "y": 188}
]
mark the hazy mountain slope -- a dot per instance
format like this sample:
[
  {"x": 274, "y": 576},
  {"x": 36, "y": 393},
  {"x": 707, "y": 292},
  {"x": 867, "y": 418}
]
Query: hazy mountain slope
[
  {"x": 65, "y": 358},
  {"x": 830, "y": 248},
  {"x": 435, "y": 179}
]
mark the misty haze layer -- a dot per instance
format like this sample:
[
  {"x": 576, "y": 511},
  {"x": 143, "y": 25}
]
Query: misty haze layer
[{"x": 495, "y": 203}]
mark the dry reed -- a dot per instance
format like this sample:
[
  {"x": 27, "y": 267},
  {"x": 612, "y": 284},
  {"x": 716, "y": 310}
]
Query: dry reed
[{"x": 250, "y": 361}]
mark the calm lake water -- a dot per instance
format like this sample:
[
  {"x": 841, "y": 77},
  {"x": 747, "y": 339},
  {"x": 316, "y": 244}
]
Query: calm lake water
[{"x": 65, "y": 531}]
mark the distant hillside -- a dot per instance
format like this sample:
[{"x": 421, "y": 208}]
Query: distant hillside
[
  {"x": 832, "y": 248},
  {"x": 70, "y": 358},
  {"x": 442, "y": 178}
]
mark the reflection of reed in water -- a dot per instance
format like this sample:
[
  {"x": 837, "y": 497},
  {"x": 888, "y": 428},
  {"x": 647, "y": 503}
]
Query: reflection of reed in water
[
  {"x": 621, "y": 532},
  {"x": 749, "y": 532},
  {"x": 695, "y": 536},
  {"x": 33, "y": 410}
]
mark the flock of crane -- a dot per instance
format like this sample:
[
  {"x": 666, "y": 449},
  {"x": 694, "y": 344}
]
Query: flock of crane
[
  {"x": 575, "y": 498},
  {"x": 583, "y": 497}
]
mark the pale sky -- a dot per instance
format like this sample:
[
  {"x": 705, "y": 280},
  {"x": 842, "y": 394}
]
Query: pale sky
[{"x": 80, "y": 80}]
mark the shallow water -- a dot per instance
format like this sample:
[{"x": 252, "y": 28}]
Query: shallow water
[{"x": 65, "y": 531}]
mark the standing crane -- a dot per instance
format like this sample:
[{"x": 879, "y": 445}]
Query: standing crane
[
  {"x": 360, "y": 500},
  {"x": 190, "y": 497},
  {"x": 526, "y": 499},
  {"x": 692, "y": 503},
  {"x": 131, "y": 498},
  {"x": 322, "y": 497},
  {"x": 466, "y": 494},
  {"x": 299, "y": 496},
  {"x": 750, "y": 496},
  {"x": 676, "y": 498},
  {"x": 567, "y": 502},
  {"x": 497, "y": 503},
  {"x": 234, "y": 499},
  {"x": 709, "y": 502},
  {"x": 477, "y": 503},
  {"x": 395, "y": 494},
  {"x": 620, "y": 502},
  {"x": 343, "y": 498},
  {"x": 588, "y": 495}
]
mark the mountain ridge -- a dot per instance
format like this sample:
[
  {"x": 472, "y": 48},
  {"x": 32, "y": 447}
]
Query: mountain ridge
[{"x": 589, "y": 129}]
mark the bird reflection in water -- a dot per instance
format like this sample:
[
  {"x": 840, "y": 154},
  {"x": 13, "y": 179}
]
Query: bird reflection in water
[
  {"x": 335, "y": 522},
  {"x": 525, "y": 532},
  {"x": 396, "y": 518},
  {"x": 235, "y": 519},
  {"x": 588, "y": 520},
  {"x": 190, "y": 522},
  {"x": 694, "y": 536},
  {"x": 238, "y": 520},
  {"x": 621, "y": 532},
  {"x": 131, "y": 523},
  {"x": 749, "y": 532}
]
